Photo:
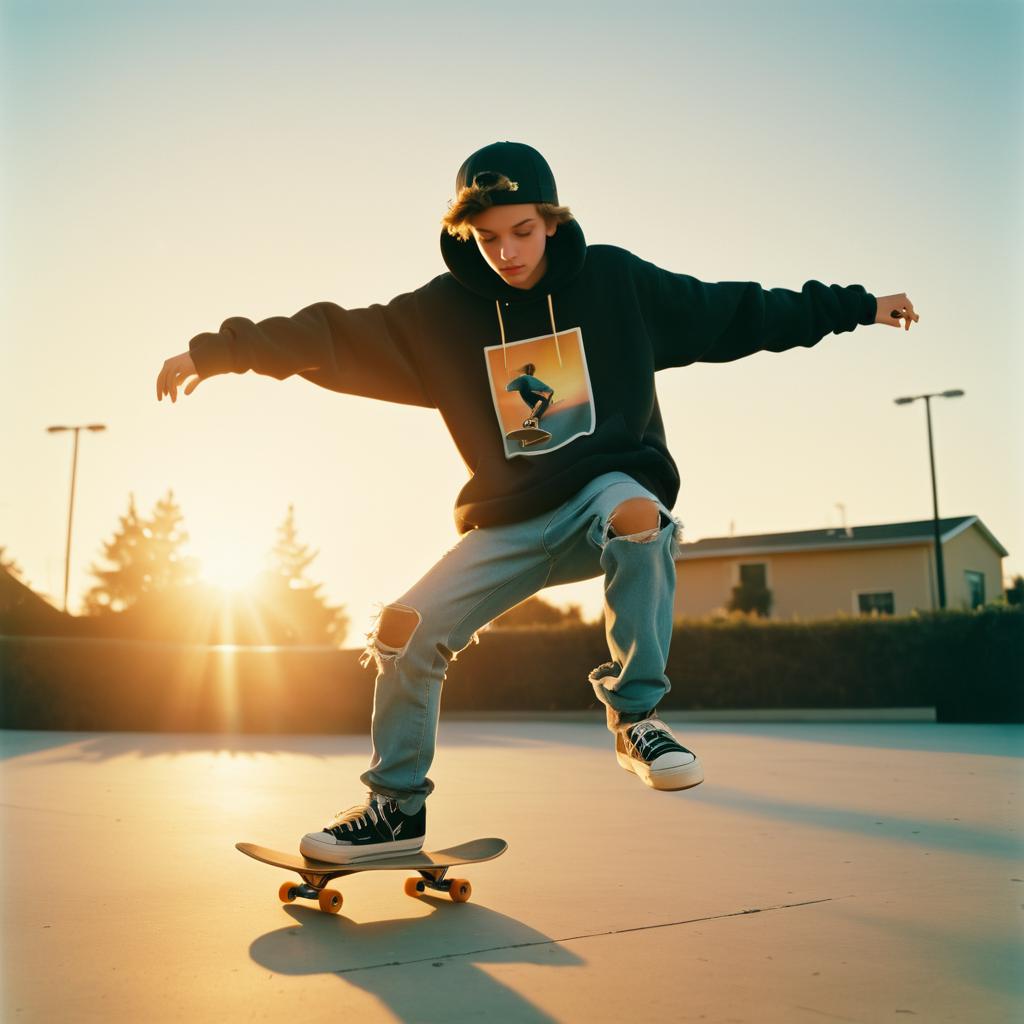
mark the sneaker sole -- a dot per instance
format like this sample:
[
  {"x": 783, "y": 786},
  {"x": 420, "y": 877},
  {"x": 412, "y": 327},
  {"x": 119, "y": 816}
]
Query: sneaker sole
[
  {"x": 669, "y": 779},
  {"x": 332, "y": 854}
]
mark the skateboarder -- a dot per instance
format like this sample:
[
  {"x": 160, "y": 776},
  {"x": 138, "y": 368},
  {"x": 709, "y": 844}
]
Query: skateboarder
[
  {"x": 519, "y": 267},
  {"x": 535, "y": 393}
]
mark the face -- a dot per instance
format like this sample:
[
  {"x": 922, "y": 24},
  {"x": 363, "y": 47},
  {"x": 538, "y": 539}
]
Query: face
[{"x": 512, "y": 239}]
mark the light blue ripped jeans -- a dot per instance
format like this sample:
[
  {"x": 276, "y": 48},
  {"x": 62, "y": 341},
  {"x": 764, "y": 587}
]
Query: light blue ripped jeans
[{"x": 492, "y": 569}]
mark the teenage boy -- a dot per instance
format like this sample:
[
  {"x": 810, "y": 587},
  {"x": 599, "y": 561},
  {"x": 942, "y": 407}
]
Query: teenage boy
[{"x": 593, "y": 499}]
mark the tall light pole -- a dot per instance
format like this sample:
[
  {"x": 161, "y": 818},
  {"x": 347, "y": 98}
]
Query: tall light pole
[
  {"x": 939, "y": 567},
  {"x": 71, "y": 506}
]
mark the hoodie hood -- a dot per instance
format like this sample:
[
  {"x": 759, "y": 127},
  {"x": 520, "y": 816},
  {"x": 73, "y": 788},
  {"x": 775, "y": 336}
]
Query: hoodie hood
[{"x": 566, "y": 251}]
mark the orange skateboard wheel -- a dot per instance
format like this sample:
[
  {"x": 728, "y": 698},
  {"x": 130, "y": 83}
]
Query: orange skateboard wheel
[
  {"x": 285, "y": 892},
  {"x": 414, "y": 887},
  {"x": 330, "y": 900},
  {"x": 460, "y": 890}
]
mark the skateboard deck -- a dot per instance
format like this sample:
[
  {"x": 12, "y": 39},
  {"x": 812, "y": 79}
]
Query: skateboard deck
[
  {"x": 528, "y": 435},
  {"x": 432, "y": 866}
]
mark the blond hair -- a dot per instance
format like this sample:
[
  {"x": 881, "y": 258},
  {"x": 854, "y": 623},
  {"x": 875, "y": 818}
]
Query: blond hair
[{"x": 474, "y": 199}]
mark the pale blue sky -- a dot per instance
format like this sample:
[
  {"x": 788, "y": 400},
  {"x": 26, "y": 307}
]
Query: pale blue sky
[{"x": 168, "y": 165}]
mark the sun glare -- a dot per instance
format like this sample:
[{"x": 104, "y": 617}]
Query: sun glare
[{"x": 228, "y": 569}]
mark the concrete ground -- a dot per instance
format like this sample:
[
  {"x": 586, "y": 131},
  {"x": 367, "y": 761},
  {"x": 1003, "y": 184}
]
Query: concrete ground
[{"x": 822, "y": 872}]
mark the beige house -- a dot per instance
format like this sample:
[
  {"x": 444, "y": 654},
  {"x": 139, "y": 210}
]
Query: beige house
[{"x": 821, "y": 573}]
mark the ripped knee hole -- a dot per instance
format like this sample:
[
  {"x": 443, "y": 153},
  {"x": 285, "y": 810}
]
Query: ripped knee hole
[
  {"x": 397, "y": 625},
  {"x": 637, "y": 519}
]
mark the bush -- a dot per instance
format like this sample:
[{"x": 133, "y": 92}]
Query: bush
[{"x": 969, "y": 666}]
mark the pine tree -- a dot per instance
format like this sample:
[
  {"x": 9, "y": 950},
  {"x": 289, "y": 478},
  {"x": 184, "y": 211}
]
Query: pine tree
[
  {"x": 169, "y": 567},
  {"x": 121, "y": 586},
  {"x": 289, "y": 558},
  {"x": 145, "y": 559},
  {"x": 295, "y": 611}
]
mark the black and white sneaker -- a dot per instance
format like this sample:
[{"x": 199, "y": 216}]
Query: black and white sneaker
[
  {"x": 649, "y": 749},
  {"x": 374, "y": 828}
]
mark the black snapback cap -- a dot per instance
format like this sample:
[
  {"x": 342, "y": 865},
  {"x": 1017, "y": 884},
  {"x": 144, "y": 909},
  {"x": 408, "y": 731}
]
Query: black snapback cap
[{"x": 528, "y": 171}]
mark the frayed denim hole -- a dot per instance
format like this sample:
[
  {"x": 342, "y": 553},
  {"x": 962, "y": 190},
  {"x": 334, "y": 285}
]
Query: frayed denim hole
[
  {"x": 641, "y": 536},
  {"x": 380, "y": 652}
]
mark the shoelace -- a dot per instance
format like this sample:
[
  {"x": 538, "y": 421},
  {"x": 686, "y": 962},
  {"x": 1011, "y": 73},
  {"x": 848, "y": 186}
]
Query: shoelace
[
  {"x": 357, "y": 815},
  {"x": 646, "y": 735}
]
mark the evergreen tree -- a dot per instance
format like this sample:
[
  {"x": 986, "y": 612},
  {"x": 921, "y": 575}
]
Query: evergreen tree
[
  {"x": 293, "y": 610},
  {"x": 121, "y": 586},
  {"x": 169, "y": 568},
  {"x": 145, "y": 558},
  {"x": 289, "y": 558}
]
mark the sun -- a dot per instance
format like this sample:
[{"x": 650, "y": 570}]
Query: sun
[{"x": 229, "y": 569}]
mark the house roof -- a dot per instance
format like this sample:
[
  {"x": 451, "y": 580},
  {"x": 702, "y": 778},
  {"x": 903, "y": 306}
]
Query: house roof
[{"x": 884, "y": 535}]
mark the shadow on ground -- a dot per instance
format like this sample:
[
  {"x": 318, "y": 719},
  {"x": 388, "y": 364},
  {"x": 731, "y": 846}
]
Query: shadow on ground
[
  {"x": 950, "y": 835},
  {"x": 361, "y": 955}
]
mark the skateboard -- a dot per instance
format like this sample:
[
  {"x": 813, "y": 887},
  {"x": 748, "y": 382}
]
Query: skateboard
[
  {"x": 529, "y": 433},
  {"x": 431, "y": 865}
]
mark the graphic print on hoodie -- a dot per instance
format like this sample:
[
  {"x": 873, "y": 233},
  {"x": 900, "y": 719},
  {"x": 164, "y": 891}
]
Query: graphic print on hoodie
[{"x": 546, "y": 384}]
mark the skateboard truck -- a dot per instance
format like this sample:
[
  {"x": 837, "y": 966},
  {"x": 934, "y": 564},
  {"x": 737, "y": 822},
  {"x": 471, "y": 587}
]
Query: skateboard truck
[
  {"x": 458, "y": 888},
  {"x": 313, "y": 888}
]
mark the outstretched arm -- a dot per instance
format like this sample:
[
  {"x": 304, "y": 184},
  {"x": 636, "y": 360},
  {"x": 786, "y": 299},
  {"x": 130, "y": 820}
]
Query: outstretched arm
[
  {"x": 688, "y": 320},
  {"x": 356, "y": 351}
]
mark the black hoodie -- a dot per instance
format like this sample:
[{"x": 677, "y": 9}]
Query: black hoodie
[{"x": 596, "y": 327}]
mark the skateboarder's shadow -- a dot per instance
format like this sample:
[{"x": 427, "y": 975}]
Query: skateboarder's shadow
[{"x": 423, "y": 968}]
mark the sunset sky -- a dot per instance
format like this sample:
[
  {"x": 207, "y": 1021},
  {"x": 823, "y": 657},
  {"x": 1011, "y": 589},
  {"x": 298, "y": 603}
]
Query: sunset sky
[{"x": 168, "y": 165}]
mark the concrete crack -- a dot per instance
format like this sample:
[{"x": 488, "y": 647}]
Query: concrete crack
[{"x": 583, "y": 935}]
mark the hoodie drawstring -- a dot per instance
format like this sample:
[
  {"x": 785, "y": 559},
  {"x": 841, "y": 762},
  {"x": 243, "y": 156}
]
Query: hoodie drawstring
[{"x": 554, "y": 331}]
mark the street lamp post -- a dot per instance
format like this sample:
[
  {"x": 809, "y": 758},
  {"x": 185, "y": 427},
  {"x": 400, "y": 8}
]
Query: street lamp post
[
  {"x": 71, "y": 505},
  {"x": 939, "y": 566}
]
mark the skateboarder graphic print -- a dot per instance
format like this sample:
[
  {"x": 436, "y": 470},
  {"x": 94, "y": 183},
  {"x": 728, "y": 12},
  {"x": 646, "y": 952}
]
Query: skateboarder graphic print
[
  {"x": 535, "y": 393},
  {"x": 594, "y": 499},
  {"x": 565, "y": 418}
]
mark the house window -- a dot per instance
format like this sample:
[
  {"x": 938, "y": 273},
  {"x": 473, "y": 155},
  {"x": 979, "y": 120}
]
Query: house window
[
  {"x": 880, "y": 601},
  {"x": 975, "y": 588},
  {"x": 754, "y": 574}
]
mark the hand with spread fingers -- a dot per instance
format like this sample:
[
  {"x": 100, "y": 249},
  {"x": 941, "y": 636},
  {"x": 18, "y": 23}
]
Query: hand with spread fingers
[
  {"x": 893, "y": 308},
  {"x": 174, "y": 373}
]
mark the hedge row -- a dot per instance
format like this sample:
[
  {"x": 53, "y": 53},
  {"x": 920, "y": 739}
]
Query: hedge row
[{"x": 969, "y": 666}]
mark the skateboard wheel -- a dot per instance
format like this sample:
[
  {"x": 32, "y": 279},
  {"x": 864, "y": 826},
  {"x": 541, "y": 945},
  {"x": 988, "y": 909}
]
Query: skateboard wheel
[
  {"x": 460, "y": 890},
  {"x": 330, "y": 900},
  {"x": 414, "y": 887},
  {"x": 287, "y": 892}
]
